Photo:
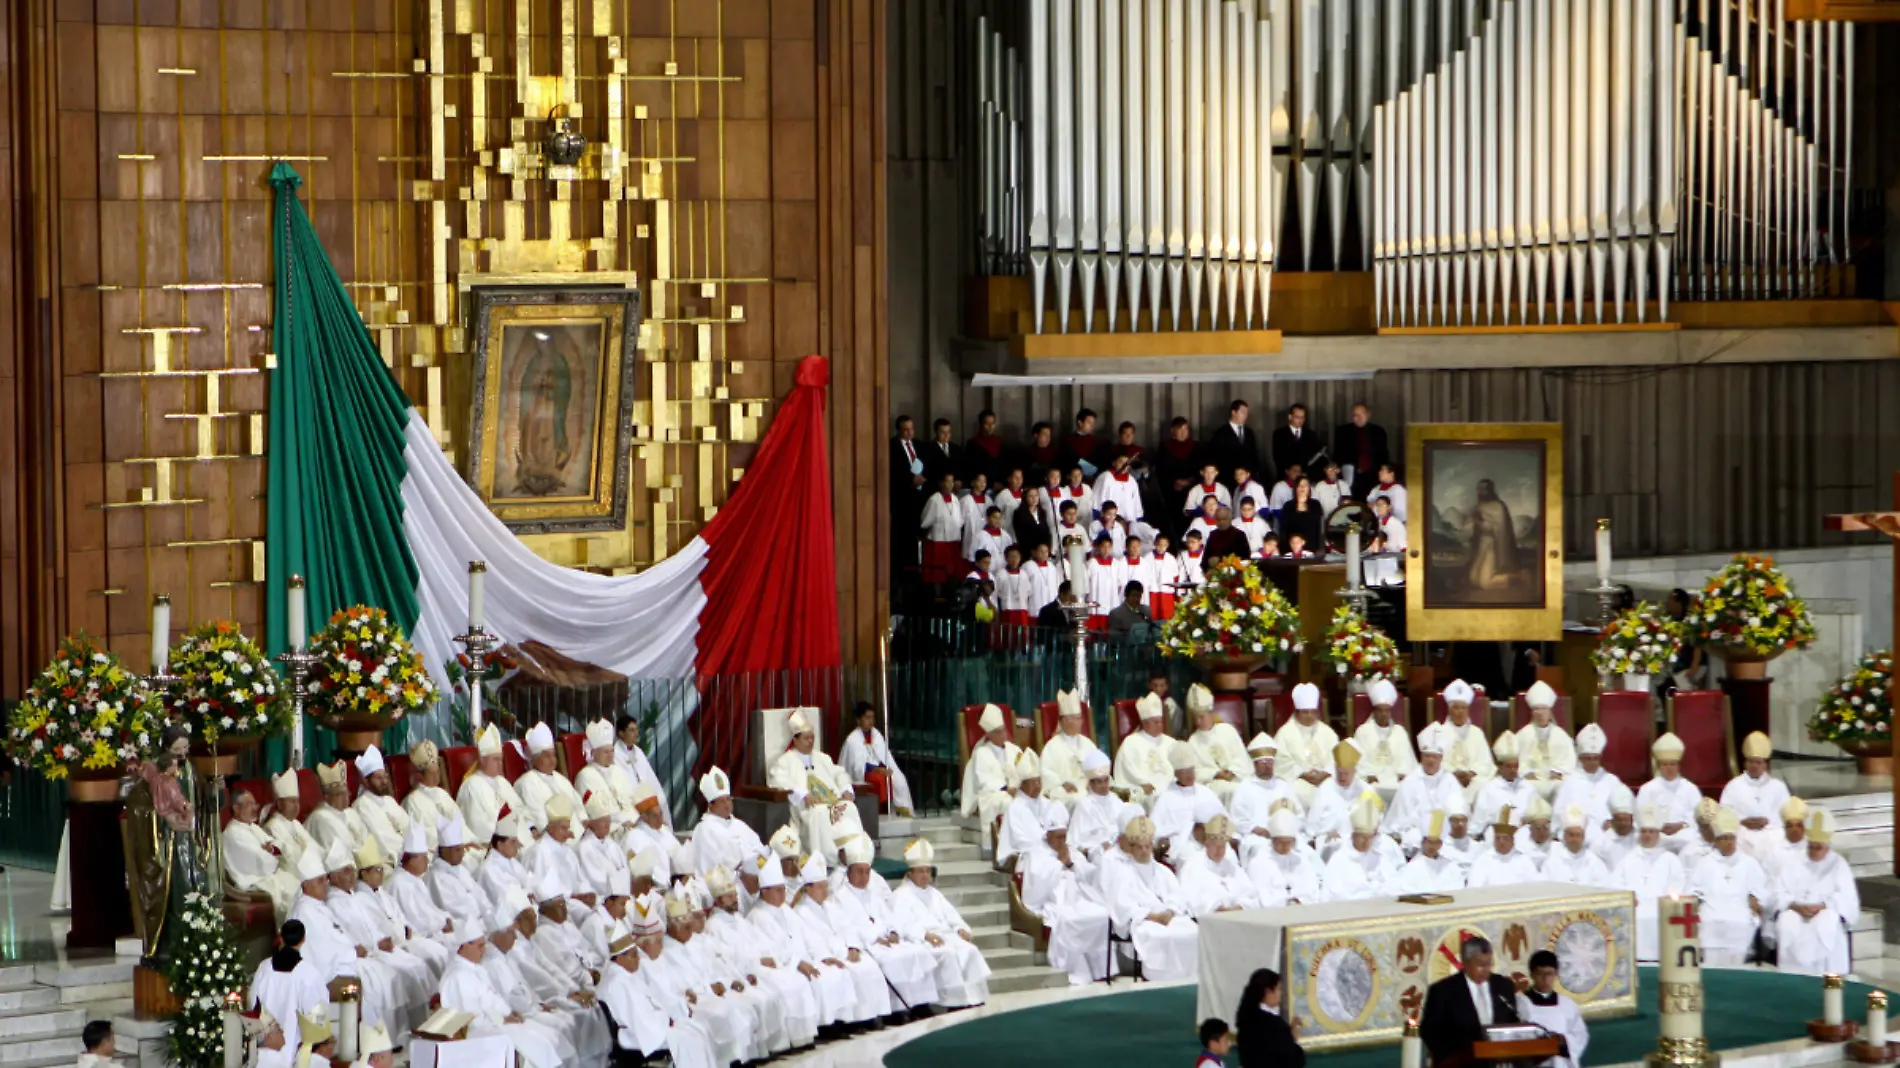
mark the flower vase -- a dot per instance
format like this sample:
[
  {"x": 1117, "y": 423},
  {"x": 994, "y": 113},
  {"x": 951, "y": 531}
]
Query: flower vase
[
  {"x": 1871, "y": 756},
  {"x": 1743, "y": 663},
  {"x": 1230, "y": 674},
  {"x": 88, "y": 786},
  {"x": 1636, "y": 681}
]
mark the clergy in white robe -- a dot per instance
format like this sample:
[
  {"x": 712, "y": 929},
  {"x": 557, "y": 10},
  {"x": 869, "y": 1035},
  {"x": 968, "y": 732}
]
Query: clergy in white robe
[
  {"x": 1329, "y": 821},
  {"x": 1467, "y": 750},
  {"x": 486, "y": 793},
  {"x": 835, "y": 948},
  {"x": 1360, "y": 869},
  {"x": 533, "y": 988},
  {"x": 648, "y": 833},
  {"x": 865, "y": 749},
  {"x": 1573, "y": 861},
  {"x": 252, "y": 861},
  {"x": 1704, "y": 841},
  {"x": 1212, "y": 879},
  {"x": 1256, "y": 799},
  {"x": 374, "y": 876},
  {"x": 1060, "y": 885},
  {"x": 1509, "y": 789},
  {"x": 1792, "y": 844},
  {"x": 1028, "y": 813},
  {"x": 1591, "y": 784},
  {"x": 683, "y": 964},
  {"x": 1554, "y": 1012},
  {"x": 1819, "y": 903},
  {"x": 1672, "y": 793},
  {"x": 333, "y": 821},
  {"x": 1461, "y": 844},
  {"x": 1502, "y": 864},
  {"x": 726, "y": 968},
  {"x": 376, "y": 806},
  {"x": 719, "y": 841},
  {"x": 1384, "y": 743},
  {"x": 1757, "y": 797},
  {"x": 986, "y": 788},
  {"x": 1734, "y": 892},
  {"x": 286, "y": 986},
  {"x": 1614, "y": 842},
  {"x": 468, "y": 987},
  {"x": 1536, "y": 839},
  {"x": 1221, "y": 762},
  {"x": 792, "y": 991},
  {"x": 452, "y": 885},
  {"x": 1142, "y": 767},
  {"x": 633, "y": 759},
  {"x": 503, "y": 870},
  {"x": 1546, "y": 754},
  {"x": 1423, "y": 792},
  {"x": 408, "y": 887},
  {"x": 604, "y": 777},
  {"x": 427, "y": 803},
  {"x": 1650, "y": 872},
  {"x": 643, "y": 1027},
  {"x": 331, "y": 952},
  {"x": 564, "y": 863},
  {"x": 1431, "y": 871},
  {"x": 821, "y": 793},
  {"x": 1146, "y": 903},
  {"x": 1097, "y": 819},
  {"x": 1181, "y": 809},
  {"x": 1306, "y": 745},
  {"x": 1063, "y": 777},
  {"x": 286, "y": 831},
  {"x": 361, "y": 918},
  {"x": 543, "y": 779},
  {"x": 922, "y": 914},
  {"x": 860, "y": 907},
  {"x": 1282, "y": 873}
]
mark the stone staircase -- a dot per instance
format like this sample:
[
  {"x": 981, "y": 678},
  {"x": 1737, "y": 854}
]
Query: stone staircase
[
  {"x": 44, "y": 1007},
  {"x": 1863, "y": 836}
]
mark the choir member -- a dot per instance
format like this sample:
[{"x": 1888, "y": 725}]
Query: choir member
[
  {"x": 1142, "y": 767},
  {"x": 1112, "y": 526},
  {"x": 1207, "y": 516},
  {"x": 1167, "y": 579},
  {"x": 1734, "y": 892},
  {"x": 1061, "y": 885},
  {"x": 1118, "y": 486},
  {"x": 1104, "y": 581},
  {"x": 821, "y": 793},
  {"x": 1819, "y": 903},
  {"x": 1175, "y": 465},
  {"x": 1246, "y": 489},
  {"x": 1757, "y": 797},
  {"x": 1198, "y": 493},
  {"x": 1256, "y": 528},
  {"x": 1385, "y": 746},
  {"x": 941, "y": 528},
  {"x": 1329, "y": 490},
  {"x": 1193, "y": 559},
  {"x": 1390, "y": 490},
  {"x": 1296, "y": 443},
  {"x": 1305, "y": 745},
  {"x": 1545, "y": 752},
  {"x": 1045, "y": 582},
  {"x": 866, "y": 750},
  {"x": 1064, "y": 754},
  {"x": 1147, "y": 905},
  {"x": 1234, "y": 446},
  {"x": 1081, "y": 449},
  {"x": 1014, "y": 495},
  {"x": 1303, "y": 518},
  {"x": 988, "y": 535},
  {"x": 1389, "y": 537},
  {"x": 1077, "y": 489},
  {"x": 1672, "y": 793},
  {"x": 983, "y": 452}
]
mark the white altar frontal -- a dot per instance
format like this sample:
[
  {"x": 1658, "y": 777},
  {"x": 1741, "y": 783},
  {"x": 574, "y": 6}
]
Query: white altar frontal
[{"x": 1353, "y": 971}]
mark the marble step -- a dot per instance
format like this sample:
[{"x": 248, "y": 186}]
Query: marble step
[
  {"x": 965, "y": 873},
  {"x": 63, "y": 1045},
  {"x": 966, "y": 898},
  {"x": 980, "y": 917},
  {"x": 95, "y": 992},
  {"x": 30, "y": 997},
  {"x": 27, "y": 1025},
  {"x": 16, "y": 975},
  {"x": 87, "y": 971},
  {"x": 1031, "y": 977},
  {"x": 1010, "y": 957}
]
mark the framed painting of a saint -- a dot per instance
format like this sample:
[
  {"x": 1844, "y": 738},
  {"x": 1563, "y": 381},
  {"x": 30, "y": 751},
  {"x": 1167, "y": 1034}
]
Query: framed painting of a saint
[
  {"x": 553, "y": 392},
  {"x": 1485, "y": 531}
]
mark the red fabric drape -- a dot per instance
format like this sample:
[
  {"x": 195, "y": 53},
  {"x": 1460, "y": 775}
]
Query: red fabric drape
[{"x": 771, "y": 575}]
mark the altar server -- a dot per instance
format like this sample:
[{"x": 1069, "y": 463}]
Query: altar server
[
  {"x": 1546, "y": 753},
  {"x": 1142, "y": 765},
  {"x": 1819, "y": 903},
  {"x": 252, "y": 861},
  {"x": 1306, "y": 745},
  {"x": 1360, "y": 869},
  {"x": 1028, "y": 813},
  {"x": 1097, "y": 819},
  {"x": 1426, "y": 790},
  {"x": 1212, "y": 879},
  {"x": 1502, "y": 864},
  {"x": 1650, "y": 872},
  {"x": 1734, "y": 893},
  {"x": 427, "y": 803},
  {"x": 1672, "y": 793},
  {"x": 1282, "y": 873},
  {"x": 1384, "y": 743},
  {"x": 1467, "y": 750},
  {"x": 1255, "y": 799},
  {"x": 865, "y": 750},
  {"x": 923, "y": 914},
  {"x": 1591, "y": 784},
  {"x": 821, "y": 793},
  {"x": 330, "y": 951},
  {"x": 1145, "y": 900},
  {"x": 719, "y": 841},
  {"x": 543, "y": 779},
  {"x": 1556, "y": 1013},
  {"x": 633, "y": 760},
  {"x": 1757, "y": 797},
  {"x": 486, "y": 792},
  {"x": 1329, "y": 821},
  {"x": 1572, "y": 861},
  {"x": 1431, "y": 871},
  {"x": 1509, "y": 788},
  {"x": 791, "y": 991},
  {"x": 286, "y": 831},
  {"x": 1063, "y": 777},
  {"x": 1221, "y": 762},
  {"x": 986, "y": 788},
  {"x": 1060, "y": 885},
  {"x": 286, "y": 984},
  {"x": 861, "y": 900},
  {"x": 334, "y": 822},
  {"x": 451, "y": 885},
  {"x": 1181, "y": 809}
]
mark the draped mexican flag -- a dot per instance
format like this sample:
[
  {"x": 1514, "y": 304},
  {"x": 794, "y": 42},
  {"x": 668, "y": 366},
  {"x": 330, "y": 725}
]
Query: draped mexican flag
[{"x": 364, "y": 504}]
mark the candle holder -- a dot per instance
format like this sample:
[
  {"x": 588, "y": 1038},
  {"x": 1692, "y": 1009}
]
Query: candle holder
[
  {"x": 1607, "y": 594},
  {"x": 297, "y": 664},
  {"x": 1821, "y": 1030},
  {"x": 477, "y": 643},
  {"x": 1875, "y": 1049},
  {"x": 1078, "y": 616}
]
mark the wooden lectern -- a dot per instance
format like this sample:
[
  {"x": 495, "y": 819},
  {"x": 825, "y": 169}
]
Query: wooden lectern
[{"x": 1507, "y": 1044}]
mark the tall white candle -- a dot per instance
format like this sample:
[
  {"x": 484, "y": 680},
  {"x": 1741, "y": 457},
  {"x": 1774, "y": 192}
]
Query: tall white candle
[
  {"x": 1603, "y": 552},
  {"x": 294, "y": 612},
  {"x": 1411, "y": 1047},
  {"x": 1078, "y": 570},
  {"x": 346, "y": 1033},
  {"x": 1833, "y": 1010},
  {"x": 1877, "y": 1019},
  {"x": 1679, "y": 991},
  {"x": 1352, "y": 557},
  {"x": 161, "y": 632},
  {"x": 477, "y": 573},
  {"x": 233, "y": 1035}
]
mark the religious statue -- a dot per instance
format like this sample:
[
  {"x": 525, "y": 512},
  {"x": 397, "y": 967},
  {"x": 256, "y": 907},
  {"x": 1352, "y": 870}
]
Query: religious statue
[{"x": 164, "y": 851}]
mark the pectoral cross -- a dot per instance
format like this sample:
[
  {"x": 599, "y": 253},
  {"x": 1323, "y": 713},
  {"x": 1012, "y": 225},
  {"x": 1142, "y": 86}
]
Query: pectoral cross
[{"x": 1887, "y": 523}]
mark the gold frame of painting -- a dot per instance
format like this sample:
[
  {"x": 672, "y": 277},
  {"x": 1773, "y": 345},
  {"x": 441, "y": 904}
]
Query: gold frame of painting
[
  {"x": 1478, "y": 621},
  {"x": 615, "y": 311}
]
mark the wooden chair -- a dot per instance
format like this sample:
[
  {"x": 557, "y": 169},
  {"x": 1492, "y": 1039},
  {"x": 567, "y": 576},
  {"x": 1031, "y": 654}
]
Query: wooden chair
[
  {"x": 1022, "y": 918},
  {"x": 1282, "y": 705},
  {"x": 1361, "y": 711},
  {"x": 972, "y": 734},
  {"x": 1126, "y": 721},
  {"x": 402, "y": 775},
  {"x": 1701, "y": 718},
  {"x": 1049, "y": 722},
  {"x": 456, "y": 760},
  {"x": 574, "y": 754},
  {"x": 1629, "y": 727},
  {"x": 1559, "y": 713},
  {"x": 514, "y": 760}
]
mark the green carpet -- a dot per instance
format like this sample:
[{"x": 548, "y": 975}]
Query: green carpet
[{"x": 1147, "y": 1027}]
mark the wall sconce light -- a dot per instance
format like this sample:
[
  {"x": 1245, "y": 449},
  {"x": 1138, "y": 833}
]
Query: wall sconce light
[{"x": 564, "y": 145}]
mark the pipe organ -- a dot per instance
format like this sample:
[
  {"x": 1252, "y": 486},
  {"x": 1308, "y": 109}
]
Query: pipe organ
[{"x": 1148, "y": 164}]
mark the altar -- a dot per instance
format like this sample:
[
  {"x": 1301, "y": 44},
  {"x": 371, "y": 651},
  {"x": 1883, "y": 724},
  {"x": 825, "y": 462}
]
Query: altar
[{"x": 1352, "y": 972}]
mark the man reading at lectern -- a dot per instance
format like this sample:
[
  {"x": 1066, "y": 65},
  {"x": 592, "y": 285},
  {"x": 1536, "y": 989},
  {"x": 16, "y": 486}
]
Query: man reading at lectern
[{"x": 1459, "y": 1007}]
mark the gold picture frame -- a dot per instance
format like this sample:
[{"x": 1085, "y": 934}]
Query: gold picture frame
[
  {"x": 1479, "y": 566},
  {"x": 551, "y": 421}
]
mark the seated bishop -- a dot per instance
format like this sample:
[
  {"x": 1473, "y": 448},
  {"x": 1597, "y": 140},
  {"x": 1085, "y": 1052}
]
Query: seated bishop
[
  {"x": 252, "y": 861},
  {"x": 1142, "y": 766},
  {"x": 1097, "y": 819},
  {"x": 486, "y": 792},
  {"x": 1212, "y": 879},
  {"x": 1146, "y": 904},
  {"x": 650, "y": 834},
  {"x": 1064, "y": 778},
  {"x": 1221, "y": 762},
  {"x": 1431, "y": 871},
  {"x": 1359, "y": 868},
  {"x": 1329, "y": 821},
  {"x": 1467, "y": 750},
  {"x": 543, "y": 779},
  {"x": 1650, "y": 872},
  {"x": 1669, "y": 791},
  {"x": 1819, "y": 902},
  {"x": 1544, "y": 749},
  {"x": 1026, "y": 816},
  {"x": 286, "y": 831},
  {"x": 1182, "y": 810},
  {"x": 427, "y": 803},
  {"x": 1424, "y": 791},
  {"x": 1735, "y": 894},
  {"x": 1510, "y": 788},
  {"x": 922, "y": 915},
  {"x": 986, "y": 784},
  {"x": 1591, "y": 785},
  {"x": 604, "y": 777},
  {"x": 1572, "y": 860},
  {"x": 1060, "y": 885},
  {"x": 1257, "y": 798},
  {"x": 334, "y": 822},
  {"x": 1385, "y": 746},
  {"x": 1282, "y": 873},
  {"x": 821, "y": 793},
  {"x": 1756, "y": 795},
  {"x": 719, "y": 840},
  {"x": 376, "y": 805},
  {"x": 1502, "y": 864},
  {"x": 1305, "y": 745}
]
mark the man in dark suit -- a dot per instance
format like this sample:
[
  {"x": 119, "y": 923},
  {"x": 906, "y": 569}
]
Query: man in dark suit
[
  {"x": 1234, "y": 445},
  {"x": 941, "y": 455},
  {"x": 1361, "y": 446},
  {"x": 909, "y": 485},
  {"x": 1296, "y": 443},
  {"x": 1459, "y": 1007}
]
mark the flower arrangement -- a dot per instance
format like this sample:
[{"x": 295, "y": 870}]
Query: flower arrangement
[
  {"x": 203, "y": 966},
  {"x": 227, "y": 687},
  {"x": 1858, "y": 708},
  {"x": 1640, "y": 641},
  {"x": 1749, "y": 608},
  {"x": 366, "y": 670},
  {"x": 85, "y": 712},
  {"x": 1234, "y": 612},
  {"x": 1358, "y": 649}
]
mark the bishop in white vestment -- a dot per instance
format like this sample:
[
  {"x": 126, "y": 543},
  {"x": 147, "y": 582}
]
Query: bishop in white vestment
[
  {"x": 252, "y": 861},
  {"x": 1423, "y": 792},
  {"x": 1819, "y": 903},
  {"x": 1385, "y": 744},
  {"x": 1306, "y": 745},
  {"x": 427, "y": 803},
  {"x": 1734, "y": 893},
  {"x": 923, "y": 915},
  {"x": 1142, "y": 767},
  {"x": 1431, "y": 871},
  {"x": 1591, "y": 784},
  {"x": 986, "y": 789},
  {"x": 1212, "y": 879},
  {"x": 1572, "y": 861},
  {"x": 1146, "y": 903},
  {"x": 821, "y": 793},
  {"x": 1221, "y": 762},
  {"x": 1097, "y": 819},
  {"x": 1502, "y": 864},
  {"x": 486, "y": 793},
  {"x": 1360, "y": 869},
  {"x": 334, "y": 822},
  {"x": 1546, "y": 753},
  {"x": 1672, "y": 793},
  {"x": 1282, "y": 873},
  {"x": 1509, "y": 789},
  {"x": 1467, "y": 750},
  {"x": 1256, "y": 799},
  {"x": 1182, "y": 808},
  {"x": 1650, "y": 872},
  {"x": 604, "y": 777},
  {"x": 543, "y": 780},
  {"x": 1329, "y": 821},
  {"x": 1757, "y": 796},
  {"x": 376, "y": 804},
  {"x": 1064, "y": 779},
  {"x": 1059, "y": 884}
]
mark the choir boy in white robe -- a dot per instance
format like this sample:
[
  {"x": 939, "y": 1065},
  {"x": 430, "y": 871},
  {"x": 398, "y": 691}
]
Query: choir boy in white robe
[
  {"x": 1212, "y": 879},
  {"x": 1104, "y": 577},
  {"x": 1168, "y": 573},
  {"x": 922, "y": 914},
  {"x": 1119, "y": 486},
  {"x": 1282, "y": 873},
  {"x": 1672, "y": 793},
  {"x": 866, "y": 748},
  {"x": 1246, "y": 489},
  {"x": 643, "y": 1027},
  {"x": 821, "y": 793},
  {"x": 1139, "y": 566},
  {"x": 1097, "y": 819},
  {"x": 649, "y": 834},
  {"x": 252, "y": 861},
  {"x": 334, "y": 821},
  {"x": 1181, "y": 810},
  {"x": 1508, "y": 788},
  {"x": 1384, "y": 743},
  {"x": 452, "y": 886},
  {"x": 835, "y": 948},
  {"x": 486, "y": 792},
  {"x": 1426, "y": 790},
  {"x": 1757, "y": 797},
  {"x": 989, "y": 535},
  {"x": 1572, "y": 861},
  {"x": 603, "y": 776},
  {"x": 1045, "y": 579},
  {"x": 941, "y": 528},
  {"x": 1028, "y": 814},
  {"x": 1536, "y": 840},
  {"x": 1614, "y": 842},
  {"x": 427, "y": 803},
  {"x": 1467, "y": 750},
  {"x": 719, "y": 841},
  {"x": 1251, "y": 523},
  {"x": 633, "y": 760},
  {"x": 1391, "y": 490},
  {"x": 1819, "y": 903},
  {"x": 789, "y": 989},
  {"x": 1146, "y": 903},
  {"x": 1256, "y": 799},
  {"x": 1431, "y": 871},
  {"x": 1061, "y": 885},
  {"x": 986, "y": 783},
  {"x": 1063, "y": 777},
  {"x": 1554, "y": 1012},
  {"x": 1502, "y": 864},
  {"x": 1591, "y": 784},
  {"x": 286, "y": 831},
  {"x": 976, "y": 506},
  {"x": 1386, "y": 570},
  {"x": 1734, "y": 892},
  {"x": 1545, "y": 751},
  {"x": 1650, "y": 872},
  {"x": 1305, "y": 745},
  {"x": 543, "y": 780},
  {"x": 1329, "y": 821},
  {"x": 1116, "y": 529},
  {"x": 1142, "y": 765},
  {"x": 1221, "y": 762},
  {"x": 383, "y": 817},
  {"x": 1328, "y": 490},
  {"x": 1360, "y": 869}
]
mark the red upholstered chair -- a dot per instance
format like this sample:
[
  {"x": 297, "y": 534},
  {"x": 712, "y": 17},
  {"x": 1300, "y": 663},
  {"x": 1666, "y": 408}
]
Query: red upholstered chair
[
  {"x": 309, "y": 792},
  {"x": 1702, "y": 720},
  {"x": 1559, "y": 713},
  {"x": 514, "y": 760},
  {"x": 1282, "y": 710},
  {"x": 972, "y": 734},
  {"x": 1361, "y": 709},
  {"x": 456, "y": 760},
  {"x": 1629, "y": 727},
  {"x": 1049, "y": 722},
  {"x": 574, "y": 755},
  {"x": 401, "y": 775},
  {"x": 1126, "y": 721},
  {"x": 259, "y": 789},
  {"x": 1234, "y": 709}
]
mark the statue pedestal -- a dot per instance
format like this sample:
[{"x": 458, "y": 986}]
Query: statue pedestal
[
  {"x": 102, "y": 909},
  {"x": 152, "y": 993},
  {"x": 1749, "y": 706}
]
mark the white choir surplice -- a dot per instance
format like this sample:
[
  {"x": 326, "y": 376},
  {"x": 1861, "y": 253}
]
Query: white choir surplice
[
  {"x": 1137, "y": 891},
  {"x": 1819, "y": 945},
  {"x": 1561, "y": 1018},
  {"x": 1754, "y": 798},
  {"x": 862, "y": 753},
  {"x": 1725, "y": 885}
]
